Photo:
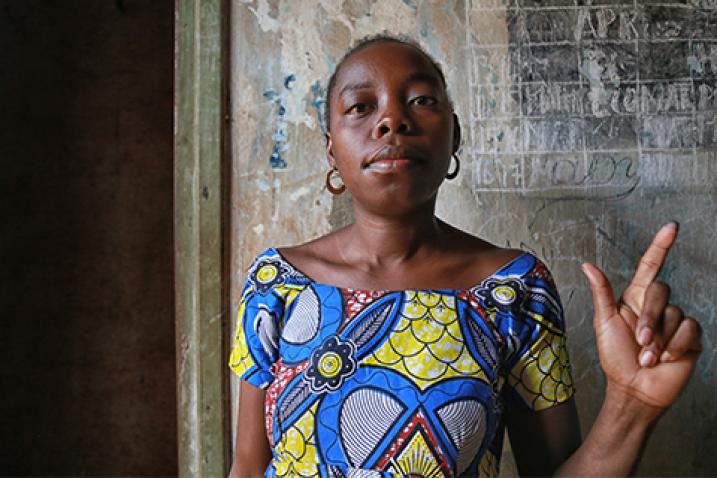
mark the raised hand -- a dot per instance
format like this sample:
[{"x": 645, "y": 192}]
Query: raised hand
[{"x": 647, "y": 347}]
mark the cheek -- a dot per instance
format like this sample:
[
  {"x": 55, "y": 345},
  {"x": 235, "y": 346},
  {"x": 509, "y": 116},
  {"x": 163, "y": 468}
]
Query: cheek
[
  {"x": 444, "y": 130},
  {"x": 347, "y": 144}
]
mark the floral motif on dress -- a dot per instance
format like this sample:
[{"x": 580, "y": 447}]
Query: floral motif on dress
[
  {"x": 330, "y": 364},
  {"x": 268, "y": 273},
  {"x": 500, "y": 293}
]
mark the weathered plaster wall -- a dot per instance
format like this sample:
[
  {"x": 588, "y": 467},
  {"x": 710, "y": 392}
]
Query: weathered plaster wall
[
  {"x": 87, "y": 332},
  {"x": 586, "y": 126}
]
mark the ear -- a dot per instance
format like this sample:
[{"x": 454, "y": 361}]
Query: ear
[
  {"x": 456, "y": 133},
  {"x": 330, "y": 150}
]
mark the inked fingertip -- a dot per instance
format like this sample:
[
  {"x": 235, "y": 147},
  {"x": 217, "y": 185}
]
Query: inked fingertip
[
  {"x": 647, "y": 358},
  {"x": 674, "y": 225},
  {"x": 644, "y": 337}
]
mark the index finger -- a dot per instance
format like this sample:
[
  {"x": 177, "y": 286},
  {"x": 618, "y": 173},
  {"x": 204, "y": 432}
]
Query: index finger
[{"x": 651, "y": 262}]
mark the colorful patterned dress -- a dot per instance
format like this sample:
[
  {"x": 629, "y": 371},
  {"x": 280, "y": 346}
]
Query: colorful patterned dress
[{"x": 398, "y": 383}]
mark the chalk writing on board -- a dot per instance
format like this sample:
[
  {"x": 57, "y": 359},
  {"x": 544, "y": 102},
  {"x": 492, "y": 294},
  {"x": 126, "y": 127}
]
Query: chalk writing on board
[
  {"x": 600, "y": 174},
  {"x": 595, "y": 102}
]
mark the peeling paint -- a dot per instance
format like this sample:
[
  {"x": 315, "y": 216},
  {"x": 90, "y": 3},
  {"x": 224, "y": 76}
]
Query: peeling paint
[
  {"x": 302, "y": 191},
  {"x": 694, "y": 64},
  {"x": 594, "y": 68},
  {"x": 264, "y": 18},
  {"x": 288, "y": 81},
  {"x": 280, "y": 137},
  {"x": 318, "y": 103},
  {"x": 262, "y": 185}
]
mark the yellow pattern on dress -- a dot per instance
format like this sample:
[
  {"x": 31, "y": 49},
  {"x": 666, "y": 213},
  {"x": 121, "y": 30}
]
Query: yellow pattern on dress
[
  {"x": 240, "y": 359},
  {"x": 295, "y": 454},
  {"x": 427, "y": 344},
  {"x": 542, "y": 376},
  {"x": 488, "y": 467},
  {"x": 288, "y": 292},
  {"x": 416, "y": 459}
]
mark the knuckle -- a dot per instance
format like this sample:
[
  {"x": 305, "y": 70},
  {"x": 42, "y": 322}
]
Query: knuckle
[
  {"x": 649, "y": 262},
  {"x": 693, "y": 326},
  {"x": 646, "y": 318},
  {"x": 676, "y": 349},
  {"x": 673, "y": 312},
  {"x": 662, "y": 287}
]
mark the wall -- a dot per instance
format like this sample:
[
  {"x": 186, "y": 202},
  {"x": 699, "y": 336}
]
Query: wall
[
  {"x": 586, "y": 126},
  {"x": 87, "y": 334}
]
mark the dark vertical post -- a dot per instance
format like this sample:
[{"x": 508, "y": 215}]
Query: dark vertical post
[{"x": 200, "y": 206}]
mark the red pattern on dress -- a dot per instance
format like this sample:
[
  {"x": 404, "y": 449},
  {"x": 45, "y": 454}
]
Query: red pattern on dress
[
  {"x": 540, "y": 271},
  {"x": 466, "y": 296},
  {"x": 356, "y": 300},
  {"x": 283, "y": 374}
]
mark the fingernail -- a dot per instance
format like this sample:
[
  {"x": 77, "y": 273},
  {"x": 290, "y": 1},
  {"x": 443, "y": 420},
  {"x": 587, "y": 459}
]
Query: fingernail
[
  {"x": 673, "y": 224},
  {"x": 666, "y": 357},
  {"x": 645, "y": 336},
  {"x": 647, "y": 359}
]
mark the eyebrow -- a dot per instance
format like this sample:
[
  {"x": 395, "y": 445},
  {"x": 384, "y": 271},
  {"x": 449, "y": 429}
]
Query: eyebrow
[
  {"x": 412, "y": 78},
  {"x": 355, "y": 87}
]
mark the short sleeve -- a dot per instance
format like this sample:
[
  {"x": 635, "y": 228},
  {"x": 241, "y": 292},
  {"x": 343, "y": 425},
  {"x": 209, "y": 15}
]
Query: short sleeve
[
  {"x": 539, "y": 373},
  {"x": 254, "y": 347}
]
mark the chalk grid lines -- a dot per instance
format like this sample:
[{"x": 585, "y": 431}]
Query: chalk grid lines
[{"x": 592, "y": 100}]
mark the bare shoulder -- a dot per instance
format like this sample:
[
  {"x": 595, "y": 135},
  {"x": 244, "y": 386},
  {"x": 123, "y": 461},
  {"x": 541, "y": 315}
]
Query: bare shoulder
[{"x": 311, "y": 256}]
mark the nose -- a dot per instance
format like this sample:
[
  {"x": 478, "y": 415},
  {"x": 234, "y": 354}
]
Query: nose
[{"x": 393, "y": 121}]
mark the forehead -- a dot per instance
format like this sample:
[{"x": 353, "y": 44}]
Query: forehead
[{"x": 383, "y": 60}]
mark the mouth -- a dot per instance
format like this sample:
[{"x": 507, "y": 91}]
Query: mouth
[{"x": 389, "y": 158}]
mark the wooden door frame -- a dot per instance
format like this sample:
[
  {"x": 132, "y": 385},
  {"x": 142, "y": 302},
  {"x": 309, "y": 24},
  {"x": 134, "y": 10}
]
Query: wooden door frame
[{"x": 201, "y": 192}]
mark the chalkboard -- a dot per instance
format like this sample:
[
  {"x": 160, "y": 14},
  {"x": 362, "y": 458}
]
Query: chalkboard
[{"x": 592, "y": 101}]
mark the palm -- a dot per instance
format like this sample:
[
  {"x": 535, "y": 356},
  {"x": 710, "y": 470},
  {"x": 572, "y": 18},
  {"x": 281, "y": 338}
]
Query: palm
[{"x": 615, "y": 328}]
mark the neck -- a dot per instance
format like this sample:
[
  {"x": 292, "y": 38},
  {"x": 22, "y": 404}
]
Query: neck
[{"x": 384, "y": 240}]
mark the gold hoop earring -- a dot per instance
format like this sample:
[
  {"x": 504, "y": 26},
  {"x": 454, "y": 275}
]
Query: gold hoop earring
[
  {"x": 454, "y": 173},
  {"x": 336, "y": 190}
]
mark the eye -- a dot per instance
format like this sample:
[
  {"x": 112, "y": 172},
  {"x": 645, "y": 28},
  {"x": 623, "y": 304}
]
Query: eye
[
  {"x": 358, "y": 108},
  {"x": 424, "y": 101}
]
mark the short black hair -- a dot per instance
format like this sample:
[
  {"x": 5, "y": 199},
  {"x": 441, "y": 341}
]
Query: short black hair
[{"x": 367, "y": 41}]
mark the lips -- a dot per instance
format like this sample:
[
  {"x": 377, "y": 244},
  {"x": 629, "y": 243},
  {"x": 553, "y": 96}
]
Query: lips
[{"x": 391, "y": 157}]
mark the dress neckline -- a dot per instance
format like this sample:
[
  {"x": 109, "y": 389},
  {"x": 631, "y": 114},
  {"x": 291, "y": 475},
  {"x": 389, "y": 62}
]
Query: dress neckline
[{"x": 306, "y": 277}]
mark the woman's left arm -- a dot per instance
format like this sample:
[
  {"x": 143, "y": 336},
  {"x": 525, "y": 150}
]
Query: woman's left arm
[
  {"x": 542, "y": 441},
  {"x": 648, "y": 351},
  {"x": 548, "y": 442}
]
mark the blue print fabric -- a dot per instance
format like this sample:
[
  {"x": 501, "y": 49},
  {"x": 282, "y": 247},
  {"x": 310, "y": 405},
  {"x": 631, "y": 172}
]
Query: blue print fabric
[{"x": 373, "y": 383}]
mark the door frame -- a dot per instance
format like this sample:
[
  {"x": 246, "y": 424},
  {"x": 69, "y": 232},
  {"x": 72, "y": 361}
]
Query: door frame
[{"x": 201, "y": 226}]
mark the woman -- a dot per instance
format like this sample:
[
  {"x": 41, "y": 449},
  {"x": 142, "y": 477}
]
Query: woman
[{"x": 402, "y": 346}]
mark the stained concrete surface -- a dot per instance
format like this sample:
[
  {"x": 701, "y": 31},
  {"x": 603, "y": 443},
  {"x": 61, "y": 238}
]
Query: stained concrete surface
[{"x": 87, "y": 374}]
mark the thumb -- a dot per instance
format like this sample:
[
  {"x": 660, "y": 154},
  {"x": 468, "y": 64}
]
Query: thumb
[{"x": 603, "y": 296}]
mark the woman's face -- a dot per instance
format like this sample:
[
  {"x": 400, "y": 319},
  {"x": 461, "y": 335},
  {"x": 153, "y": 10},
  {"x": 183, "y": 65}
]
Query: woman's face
[{"x": 392, "y": 130}]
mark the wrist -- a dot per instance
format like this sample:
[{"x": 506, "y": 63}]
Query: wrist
[
  {"x": 627, "y": 410},
  {"x": 617, "y": 438}
]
